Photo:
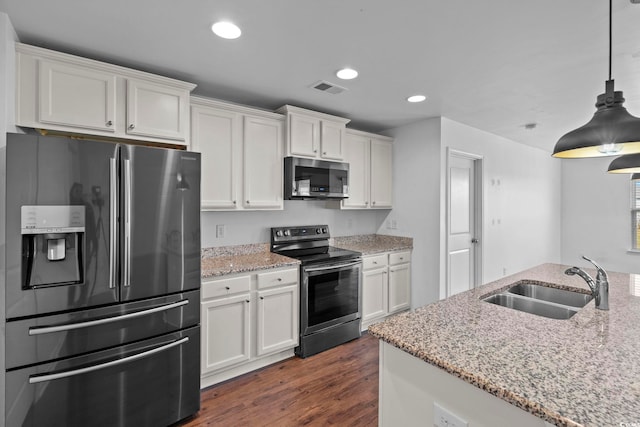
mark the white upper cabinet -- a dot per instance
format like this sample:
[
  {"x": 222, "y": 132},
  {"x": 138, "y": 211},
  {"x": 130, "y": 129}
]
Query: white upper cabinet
[
  {"x": 217, "y": 135},
  {"x": 157, "y": 111},
  {"x": 312, "y": 134},
  {"x": 263, "y": 166},
  {"x": 370, "y": 159},
  {"x": 241, "y": 149},
  {"x": 93, "y": 105},
  {"x": 381, "y": 173},
  {"x": 71, "y": 94}
]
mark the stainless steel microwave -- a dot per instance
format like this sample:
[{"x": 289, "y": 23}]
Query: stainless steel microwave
[{"x": 315, "y": 179}]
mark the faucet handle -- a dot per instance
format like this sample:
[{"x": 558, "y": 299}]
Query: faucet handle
[{"x": 601, "y": 271}]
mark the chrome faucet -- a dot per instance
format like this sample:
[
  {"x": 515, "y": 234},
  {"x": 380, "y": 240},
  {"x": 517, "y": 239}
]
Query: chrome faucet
[{"x": 599, "y": 287}]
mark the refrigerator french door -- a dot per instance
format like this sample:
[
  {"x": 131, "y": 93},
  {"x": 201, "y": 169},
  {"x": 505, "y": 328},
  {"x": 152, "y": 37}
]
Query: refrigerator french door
[{"x": 102, "y": 278}]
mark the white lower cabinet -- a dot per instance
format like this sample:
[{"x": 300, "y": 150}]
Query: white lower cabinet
[
  {"x": 277, "y": 319},
  {"x": 248, "y": 321},
  {"x": 386, "y": 285}
]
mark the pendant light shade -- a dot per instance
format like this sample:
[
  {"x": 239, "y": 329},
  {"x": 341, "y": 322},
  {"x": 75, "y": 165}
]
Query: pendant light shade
[
  {"x": 612, "y": 131},
  {"x": 629, "y": 163}
]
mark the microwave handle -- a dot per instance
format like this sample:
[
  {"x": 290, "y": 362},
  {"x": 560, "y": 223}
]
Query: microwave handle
[{"x": 331, "y": 267}]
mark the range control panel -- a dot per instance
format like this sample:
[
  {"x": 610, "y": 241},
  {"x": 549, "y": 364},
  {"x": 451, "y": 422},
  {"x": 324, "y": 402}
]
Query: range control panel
[{"x": 295, "y": 234}]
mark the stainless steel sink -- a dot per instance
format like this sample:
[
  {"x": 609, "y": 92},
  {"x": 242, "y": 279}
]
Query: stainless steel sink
[
  {"x": 545, "y": 293},
  {"x": 541, "y": 300}
]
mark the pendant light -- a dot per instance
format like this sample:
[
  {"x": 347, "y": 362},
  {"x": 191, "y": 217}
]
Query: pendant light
[
  {"x": 629, "y": 163},
  {"x": 612, "y": 130}
]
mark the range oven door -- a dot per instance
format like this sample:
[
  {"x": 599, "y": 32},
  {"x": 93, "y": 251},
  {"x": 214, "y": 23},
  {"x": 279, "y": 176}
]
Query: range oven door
[{"x": 330, "y": 295}]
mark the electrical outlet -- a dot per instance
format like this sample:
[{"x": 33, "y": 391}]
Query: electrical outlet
[
  {"x": 394, "y": 224},
  {"x": 220, "y": 231},
  {"x": 444, "y": 418}
]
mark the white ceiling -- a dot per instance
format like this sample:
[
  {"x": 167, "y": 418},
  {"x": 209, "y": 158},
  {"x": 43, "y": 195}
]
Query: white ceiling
[{"x": 494, "y": 64}]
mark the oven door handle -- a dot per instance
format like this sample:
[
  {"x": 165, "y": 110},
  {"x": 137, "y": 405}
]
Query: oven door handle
[
  {"x": 49, "y": 377},
  {"x": 331, "y": 267},
  {"x": 78, "y": 325}
]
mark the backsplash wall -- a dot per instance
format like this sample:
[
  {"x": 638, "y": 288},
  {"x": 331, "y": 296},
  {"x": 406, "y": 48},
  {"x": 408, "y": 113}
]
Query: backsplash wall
[{"x": 242, "y": 227}]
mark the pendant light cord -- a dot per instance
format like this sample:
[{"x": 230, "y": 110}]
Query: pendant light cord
[{"x": 610, "y": 21}]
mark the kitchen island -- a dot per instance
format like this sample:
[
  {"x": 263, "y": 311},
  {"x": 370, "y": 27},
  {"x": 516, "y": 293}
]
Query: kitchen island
[{"x": 492, "y": 365}]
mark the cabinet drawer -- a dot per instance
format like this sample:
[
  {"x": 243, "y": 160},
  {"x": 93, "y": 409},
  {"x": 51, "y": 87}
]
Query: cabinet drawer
[
  {"x": 277, "y": 278},
  {"x": 223, "y": 287},
  {"x": 375, "y": 261},
  {"x": 399, "y": 257}
]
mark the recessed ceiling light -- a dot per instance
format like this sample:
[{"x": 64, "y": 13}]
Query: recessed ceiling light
[
  {"x": 347, "y": 74},
  {"x": 226, "y": 30},
  {"x": 416, "y": 98}
]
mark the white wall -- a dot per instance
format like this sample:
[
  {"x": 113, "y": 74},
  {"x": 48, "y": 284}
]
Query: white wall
[
  {"x": 7, "y": 108},
  {"x": 245, "y": 227},
  {"x": 416, "y": 204},
  {"x": 521, "y": 215},
  {"x": 596, "y": 220},
  {"x": 527, "y": 202}
]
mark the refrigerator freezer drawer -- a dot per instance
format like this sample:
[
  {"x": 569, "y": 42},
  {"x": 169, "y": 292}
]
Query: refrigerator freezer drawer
[
  {"x": 45, "y": 338},
  {"x": 154, "y": 382}
]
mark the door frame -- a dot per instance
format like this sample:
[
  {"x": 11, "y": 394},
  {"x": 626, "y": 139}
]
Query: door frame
[{"x": 478, "y": 166}]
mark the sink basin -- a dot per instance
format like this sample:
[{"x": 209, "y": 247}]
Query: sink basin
[
  {"x": 533, "y": 306},
  {"x": 545, "y": 293},
  {"x": 541, "y": 300}
]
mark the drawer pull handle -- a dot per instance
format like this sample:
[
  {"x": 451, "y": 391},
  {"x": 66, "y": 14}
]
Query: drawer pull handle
[
  {"x": 375, "y": 262},
  {"x": 247, "y": 301},
  {"x": 279, "y": 279},
  {"x": 227, "y": 288}
]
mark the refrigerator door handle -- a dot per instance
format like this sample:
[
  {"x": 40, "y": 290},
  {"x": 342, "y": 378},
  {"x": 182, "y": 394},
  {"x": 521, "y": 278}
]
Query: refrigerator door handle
[
  {"x": 127, "y": 222},
  {"x": 113, "y": 220},
  {"x": 34, "y": 379},
  {"x": 71, "y": 326}
]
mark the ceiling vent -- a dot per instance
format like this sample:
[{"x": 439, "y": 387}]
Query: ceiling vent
[{"x": 325, "y": 86}]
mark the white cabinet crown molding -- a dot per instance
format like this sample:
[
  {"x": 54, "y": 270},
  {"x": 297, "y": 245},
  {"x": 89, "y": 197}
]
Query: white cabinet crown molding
[
  {"x": 322, "y": 116},
  {"x": 236, "y": 108},
  {"x": 101, "y": 66}
]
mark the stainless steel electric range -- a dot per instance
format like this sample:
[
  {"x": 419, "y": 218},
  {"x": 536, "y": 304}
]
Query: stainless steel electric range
[{"x": 330, "y": 287}]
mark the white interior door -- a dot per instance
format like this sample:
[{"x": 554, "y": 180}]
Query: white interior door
[{"x": 461, "y": 224}]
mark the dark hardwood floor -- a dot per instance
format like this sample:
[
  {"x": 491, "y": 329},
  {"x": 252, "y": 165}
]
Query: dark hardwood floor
[{"x": 336, "y": 387}]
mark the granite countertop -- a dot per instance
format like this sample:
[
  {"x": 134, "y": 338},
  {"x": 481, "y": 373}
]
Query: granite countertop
[
  {"x": 369, "y": 244},
  {"x": 580, "y": 371},
  {"x": 225, "y": 260}
]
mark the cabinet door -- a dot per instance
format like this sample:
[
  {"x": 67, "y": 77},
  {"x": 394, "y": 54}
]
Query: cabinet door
[
  {"x": 356, "y": 153},
  {"x": 216, "y": 134},
  {"x": 304, "y": 135},
  {"x": 77, "y": 97},
  {"x": 374, "y": 293},
  {"x": 157, "y": 111},
  {"x": 399, "y": 287},
  {"x": 225, "y": 332},
  {"x": 277, "y": 319},
  {"x": 381, "y": 166},
  {"x": 331, "y": 140},
  {"x": 263, "y": 164}
]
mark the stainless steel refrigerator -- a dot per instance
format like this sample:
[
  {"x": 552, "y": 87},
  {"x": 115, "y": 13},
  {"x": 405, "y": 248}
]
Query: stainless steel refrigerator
[{"x": 102, "y": 283}]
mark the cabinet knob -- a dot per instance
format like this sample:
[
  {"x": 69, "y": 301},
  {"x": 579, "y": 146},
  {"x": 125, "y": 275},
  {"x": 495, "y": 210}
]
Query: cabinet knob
[
  {"x": 373, "y": 203},
  {"x": 375, "y": 262},
  {"x": 384, "y": 272},
  {"x": 315, "y": 151},
  {"x": 132, "y": 126},
  {"x": 261, "y": 297},
  {"x": 227, "y": 288},
  {"x": 366, "y": 203},
  {"x": 324, "y": 153},
  {"x": 234, "y": 202},
  {"x": 109, "y": 123},
  {"x": 248, "y": 202},
  {"x": 247, "y": 301},
  {"x": 279, "y": 279},
  {"x": 401, "y": 258}
]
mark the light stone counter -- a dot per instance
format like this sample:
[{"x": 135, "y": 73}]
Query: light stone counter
[
  {"x": 369, "y": 244},
  {"x": 225, "y": 260},
  {"x": 580, "y": 371}
]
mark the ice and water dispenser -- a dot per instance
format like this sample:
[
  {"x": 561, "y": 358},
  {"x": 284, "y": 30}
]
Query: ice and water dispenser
[{"x": 52, "y": 245}]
